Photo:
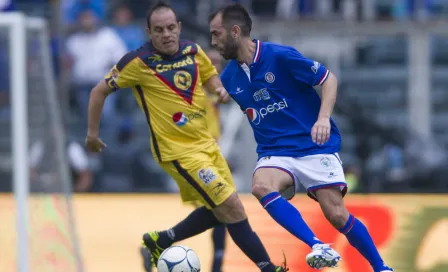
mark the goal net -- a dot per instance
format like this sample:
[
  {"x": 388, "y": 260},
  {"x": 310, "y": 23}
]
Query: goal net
[{"x": 37, "y": 226}]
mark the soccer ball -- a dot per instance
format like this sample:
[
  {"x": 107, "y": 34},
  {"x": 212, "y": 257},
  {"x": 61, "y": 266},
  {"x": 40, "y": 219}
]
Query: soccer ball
[{"x": 178, "y": 259}]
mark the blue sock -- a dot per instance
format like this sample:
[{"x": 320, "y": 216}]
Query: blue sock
[
  {"x": 289, "y": 218},
  {"x": 359, "y": 237}
]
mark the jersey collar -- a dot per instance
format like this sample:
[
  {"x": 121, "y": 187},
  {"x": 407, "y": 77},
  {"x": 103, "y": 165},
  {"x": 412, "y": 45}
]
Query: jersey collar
[{"x": 257, "y": 53}]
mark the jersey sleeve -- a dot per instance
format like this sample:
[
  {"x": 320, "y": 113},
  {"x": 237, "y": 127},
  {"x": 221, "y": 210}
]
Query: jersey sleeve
[
  {"x": 206, "y": 68},
  {"x": 303, "y": 69},
  {"x": 225, "y": 77},
  {"x": 125, "y": 73}
]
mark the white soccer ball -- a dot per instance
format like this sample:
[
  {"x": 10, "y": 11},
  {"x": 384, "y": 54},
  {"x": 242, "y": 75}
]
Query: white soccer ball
[{"x": 178, "y": 259}]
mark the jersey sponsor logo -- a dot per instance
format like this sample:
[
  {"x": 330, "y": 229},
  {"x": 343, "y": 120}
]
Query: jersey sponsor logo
[
  {"x": 262, "y": 94},
  {"x": 269, "y": 77},
  {"x": 315, "y": 67},
  {"x": 160, "y": 68},
  {"x": 181, "y": 119},
  {"x": 255, "y": 116},
  {"x": 187, "y": 50},
  {"x": 155, "y": 58},
  {"x": 183, "y": 80},
  {"x": 206, "y": 175}
]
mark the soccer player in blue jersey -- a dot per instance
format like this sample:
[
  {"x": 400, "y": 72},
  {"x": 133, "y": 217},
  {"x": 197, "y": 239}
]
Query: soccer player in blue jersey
[{"x": 297, "y": 139}]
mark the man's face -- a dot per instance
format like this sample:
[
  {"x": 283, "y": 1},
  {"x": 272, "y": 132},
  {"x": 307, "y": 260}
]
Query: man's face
[
  {"x": 87, "y": 20},
  {"x": 222, "y": 39},
  {"x": 165, "y": 31}
]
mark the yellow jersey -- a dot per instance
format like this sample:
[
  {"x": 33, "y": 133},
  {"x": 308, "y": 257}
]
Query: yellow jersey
[
  {"x": 169, "y": 91},
  {"x": 213, "y": 117}
]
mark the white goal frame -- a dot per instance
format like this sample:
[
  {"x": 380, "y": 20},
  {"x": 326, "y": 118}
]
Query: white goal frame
[{"x": 18, "y": 24}]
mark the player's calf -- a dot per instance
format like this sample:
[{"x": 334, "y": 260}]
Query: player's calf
[
  {"x": 333, "y": 207},
  {"x": 232, "y": 212}
]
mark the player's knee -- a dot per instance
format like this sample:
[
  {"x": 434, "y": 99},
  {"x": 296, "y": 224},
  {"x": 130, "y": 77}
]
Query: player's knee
[
  {"x": 261, "y": 189},
  {"x": 337, "y": 216},
  {"x": 231, "y": 210}
]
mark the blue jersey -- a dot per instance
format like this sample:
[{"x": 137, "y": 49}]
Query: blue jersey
[{"x": 277, "y": 95}]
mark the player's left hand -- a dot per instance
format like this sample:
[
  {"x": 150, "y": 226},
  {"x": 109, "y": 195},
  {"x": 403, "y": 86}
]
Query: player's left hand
[
  {"x": 320, "y": 132},
  {"x": 223, "y": 95}
]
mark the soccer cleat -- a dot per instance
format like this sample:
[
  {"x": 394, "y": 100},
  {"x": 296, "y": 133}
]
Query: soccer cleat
[
  {"x": 282, "y": 268},
  {"x": 323, "y": 256},
  {"x": 150, "y": 242}
]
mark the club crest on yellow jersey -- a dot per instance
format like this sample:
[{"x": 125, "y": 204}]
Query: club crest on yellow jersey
[{"x": 183, "y": 80}]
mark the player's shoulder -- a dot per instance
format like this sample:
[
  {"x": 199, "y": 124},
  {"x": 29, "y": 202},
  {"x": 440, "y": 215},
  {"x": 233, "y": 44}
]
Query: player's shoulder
[
  {"x": 144, "y": 51},
  {"x": 276, "y": 49},
  {"x": 127, "y": 59}
]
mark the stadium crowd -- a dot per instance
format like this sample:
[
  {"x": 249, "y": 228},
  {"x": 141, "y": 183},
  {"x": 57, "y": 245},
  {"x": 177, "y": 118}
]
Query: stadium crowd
[{"x": 93, "y": 35}]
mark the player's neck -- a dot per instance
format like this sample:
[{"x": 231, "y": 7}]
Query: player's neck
[{"x": 246, "y": 51}]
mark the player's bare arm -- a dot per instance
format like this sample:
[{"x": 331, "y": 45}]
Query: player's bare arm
[
  {"x": 96, "y": 103},
  {"x": 321, "y": 129},
  {"x": 214, "y": 85}
]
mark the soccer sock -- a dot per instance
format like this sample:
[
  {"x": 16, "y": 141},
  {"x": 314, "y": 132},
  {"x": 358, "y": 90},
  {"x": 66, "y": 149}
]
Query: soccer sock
[
  {"x": 289, "y": 218},
  {"x": 359, "y": 237},
  {"x": 249, "y": 242},
  {"x": 219, "y": 236},
  {"x": 196, "y": 222}
]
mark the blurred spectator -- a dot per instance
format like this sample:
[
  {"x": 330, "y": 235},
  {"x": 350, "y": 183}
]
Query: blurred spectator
[
  {"x": 7, "y": 5},
  {"x": 72, "y": 9},
  {"x": 92, "y": 53},
  {"x": 131, "y": 34},
  {"x": 40, "y": 156}
]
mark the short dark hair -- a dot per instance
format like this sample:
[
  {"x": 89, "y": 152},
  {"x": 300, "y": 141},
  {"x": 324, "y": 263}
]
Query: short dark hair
[
  {"x": 234, "y": 14},
  {"x": 158, "y": 5}
]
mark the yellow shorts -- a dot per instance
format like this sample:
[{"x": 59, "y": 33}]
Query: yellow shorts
[{"x": 203, "y": 176}]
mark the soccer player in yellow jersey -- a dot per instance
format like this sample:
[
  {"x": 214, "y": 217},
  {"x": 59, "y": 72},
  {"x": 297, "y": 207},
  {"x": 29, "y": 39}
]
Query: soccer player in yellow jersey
[{"x": 168, "y": 77}]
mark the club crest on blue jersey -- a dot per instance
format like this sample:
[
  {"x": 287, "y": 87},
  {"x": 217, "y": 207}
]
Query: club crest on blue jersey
[{"x": 269, "y": 77}]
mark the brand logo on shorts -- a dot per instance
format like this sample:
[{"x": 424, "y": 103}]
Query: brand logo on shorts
[
  {"x": 325, "y": 162},
  {"x": 219, "y": 188},
  {"x": 206, "y": 175}
]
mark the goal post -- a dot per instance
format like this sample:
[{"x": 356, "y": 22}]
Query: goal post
[
  {"x": 16, "y": 22},
  {"x": 36, "y": 115}
]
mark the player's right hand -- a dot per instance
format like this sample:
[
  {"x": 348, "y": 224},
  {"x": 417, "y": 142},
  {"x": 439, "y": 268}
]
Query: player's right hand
[
  {"x": 223, "y": 95},
  {"x": 94, "y": 144}
]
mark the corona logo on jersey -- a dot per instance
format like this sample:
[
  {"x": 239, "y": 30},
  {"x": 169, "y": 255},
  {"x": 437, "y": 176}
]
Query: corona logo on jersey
[
  {"x": 160, "y": 68},
  {"x": 255, "y": 116},
  {"x": 181, "y": 119},
  {"x": 183, "y": 80}
]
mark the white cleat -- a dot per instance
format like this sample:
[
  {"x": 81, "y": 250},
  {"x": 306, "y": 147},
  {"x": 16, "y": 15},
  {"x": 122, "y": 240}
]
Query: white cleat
[{"x": 323, "y": 256}]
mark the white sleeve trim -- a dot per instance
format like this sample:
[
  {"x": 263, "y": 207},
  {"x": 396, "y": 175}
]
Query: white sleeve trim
[{"x": 324, "y": 78}]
